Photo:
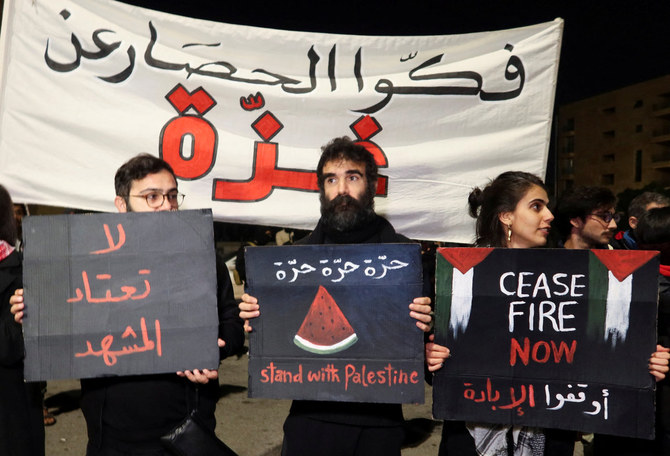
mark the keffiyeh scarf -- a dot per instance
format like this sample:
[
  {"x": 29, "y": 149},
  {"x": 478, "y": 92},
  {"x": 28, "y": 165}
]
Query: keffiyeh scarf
[
  {"x": 5, "y": 250},
  {"x": 491, "y": 440}
]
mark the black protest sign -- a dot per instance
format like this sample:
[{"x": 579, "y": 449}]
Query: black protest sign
[
  {"x": 552, "y": 338},
  {"x": 335, "y": 323},
  {"x": 119, "y": 294}
]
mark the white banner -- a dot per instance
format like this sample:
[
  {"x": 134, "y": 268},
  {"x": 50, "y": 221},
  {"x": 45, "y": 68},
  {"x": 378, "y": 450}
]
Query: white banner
[{"x": 241, "y": 112}]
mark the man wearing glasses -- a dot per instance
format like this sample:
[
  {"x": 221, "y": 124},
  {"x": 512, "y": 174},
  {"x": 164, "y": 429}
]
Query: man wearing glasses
[
  {"x": 585, "y": 218},
  {"x": 128, "y": 415},
  {"x": 146, "y": 184}
]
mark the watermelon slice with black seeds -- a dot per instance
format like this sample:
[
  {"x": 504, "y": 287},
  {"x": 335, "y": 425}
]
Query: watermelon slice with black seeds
[{"x": 325, "y": 329}]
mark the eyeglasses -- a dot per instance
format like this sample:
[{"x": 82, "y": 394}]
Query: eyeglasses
[
  {"x": 156, "y": 199},
  {"x": 607, "y": 217}
]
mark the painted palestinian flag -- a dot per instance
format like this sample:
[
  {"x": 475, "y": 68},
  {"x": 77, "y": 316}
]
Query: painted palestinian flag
[
  {"x": 454, "y": 286},
  {"x": 610, "y": 291},
  {"x": 325, "y": 329}
]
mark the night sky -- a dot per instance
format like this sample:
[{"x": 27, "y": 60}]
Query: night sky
[{"x": 606, "y": 44}]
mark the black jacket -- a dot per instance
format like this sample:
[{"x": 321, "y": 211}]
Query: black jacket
[
  {"x": 21, "y": 422},
  {"x": 353, "y": 413}
]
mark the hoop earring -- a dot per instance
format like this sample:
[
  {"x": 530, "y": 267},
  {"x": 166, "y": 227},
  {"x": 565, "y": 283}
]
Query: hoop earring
[{"x": 509, "y": 233}]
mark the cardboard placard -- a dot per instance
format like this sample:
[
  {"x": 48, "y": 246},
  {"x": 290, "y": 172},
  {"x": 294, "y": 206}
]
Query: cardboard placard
[
  {"x": 335, "y": 323},
  {"x": 552, "y": 338},
  {"x": 119, "y": 294}
]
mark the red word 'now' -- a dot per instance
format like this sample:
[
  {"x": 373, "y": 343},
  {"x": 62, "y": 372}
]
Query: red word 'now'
[{"x": 541, "y": 351}]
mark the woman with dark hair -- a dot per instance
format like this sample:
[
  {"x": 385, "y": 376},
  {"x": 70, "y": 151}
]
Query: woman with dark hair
[
  {"x": 21, "y": 422},
  {"x": 511, "y": 211}
]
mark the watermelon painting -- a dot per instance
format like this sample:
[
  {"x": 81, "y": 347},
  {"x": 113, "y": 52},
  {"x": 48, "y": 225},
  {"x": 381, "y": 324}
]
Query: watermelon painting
[
  {"x": 325, "y": 329},
  {"x": 326, "y": 320}
]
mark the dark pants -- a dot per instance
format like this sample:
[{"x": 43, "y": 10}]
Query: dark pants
[
  {"x": 609, "y": 445},
  {"x": 113, "y": 452},
  {"x": 112, "y": 447},
  {"x": 305, "y": 437}
]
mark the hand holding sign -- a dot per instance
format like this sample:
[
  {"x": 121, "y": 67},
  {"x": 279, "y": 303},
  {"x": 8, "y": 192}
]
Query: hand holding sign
[
  {"x": 204, "y": 376},
  {"x": 658, "y": 363},
  {"x": 249, "y": 309},
  {"x": 17, "y": 309},
  {"x": 435, "y": 354},
  {"x": 420, "y": 311}
]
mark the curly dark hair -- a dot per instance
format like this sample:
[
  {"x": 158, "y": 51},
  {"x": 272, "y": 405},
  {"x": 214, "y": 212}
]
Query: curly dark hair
[
  {"x": 579, "y": 202},
  {"x": 345, "y": 149}
]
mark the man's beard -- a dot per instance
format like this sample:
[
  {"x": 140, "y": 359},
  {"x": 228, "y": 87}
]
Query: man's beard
[{"x": 345, "y": 213}]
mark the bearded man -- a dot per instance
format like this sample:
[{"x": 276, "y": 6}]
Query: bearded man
[{"x": 347, "y": 177}]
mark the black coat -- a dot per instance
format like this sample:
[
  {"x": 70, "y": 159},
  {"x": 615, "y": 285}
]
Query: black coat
[
  {"x": 21, "y": 421},
  {"x": 352, "y": 413}
]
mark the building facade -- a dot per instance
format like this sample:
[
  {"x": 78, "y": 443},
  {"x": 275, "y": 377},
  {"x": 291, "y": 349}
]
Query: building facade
[{"x": 618, "y": 140}]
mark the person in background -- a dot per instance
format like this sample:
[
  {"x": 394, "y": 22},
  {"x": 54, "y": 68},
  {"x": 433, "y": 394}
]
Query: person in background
[
  {"x": 587, "y": 214},
  {"x": 21, "y": 421},
  {"x": 652, "y": 232},
  {"x": 636, "y": 209},
  {"x": 585, "y": 218},
  {"x": 263, "y": 235}
]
